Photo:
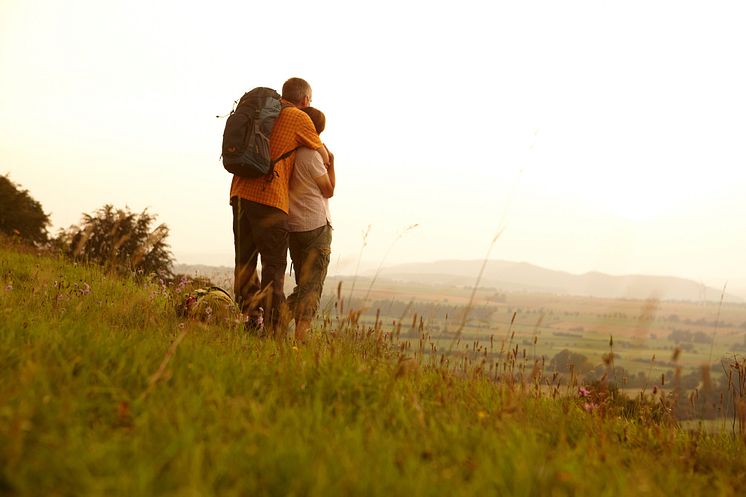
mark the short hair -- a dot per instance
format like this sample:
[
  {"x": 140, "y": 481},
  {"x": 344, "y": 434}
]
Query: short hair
[
  {"x": 295, "y": 89},
  {"x": 318, "y": 118}
]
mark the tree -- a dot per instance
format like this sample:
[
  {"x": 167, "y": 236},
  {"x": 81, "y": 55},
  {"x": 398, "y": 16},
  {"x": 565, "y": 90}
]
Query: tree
[
  {"x": 121, "y": 241},
  {"x": 20, "y": 214},
  {"x": 617, "y": 376},
  {"x": 565, "y": 360},
  {"x": 680, "y": 336}
]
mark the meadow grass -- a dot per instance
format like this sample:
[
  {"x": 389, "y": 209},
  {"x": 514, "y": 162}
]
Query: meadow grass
[{"x": 104, "y": 390}]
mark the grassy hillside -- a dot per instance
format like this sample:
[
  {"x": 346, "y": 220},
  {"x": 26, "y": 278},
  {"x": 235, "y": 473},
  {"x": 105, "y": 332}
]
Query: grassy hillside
[{"x": 105, "y": 391}]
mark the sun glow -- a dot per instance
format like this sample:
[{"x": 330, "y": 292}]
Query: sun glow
[
  {"x": 432, "y": 124},
  {"x": 636, "y": 203}
]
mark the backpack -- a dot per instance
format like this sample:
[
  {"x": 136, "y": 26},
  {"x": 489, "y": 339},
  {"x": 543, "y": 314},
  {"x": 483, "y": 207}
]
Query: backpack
[
  {"x": 210, "y": 304},
  {"x": 246, "y": 135}
]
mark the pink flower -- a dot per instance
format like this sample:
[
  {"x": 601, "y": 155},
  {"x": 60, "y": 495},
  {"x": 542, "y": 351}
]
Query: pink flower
[{"x": 584, "y": 392}]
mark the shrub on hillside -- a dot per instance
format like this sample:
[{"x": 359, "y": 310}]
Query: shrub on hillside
[
  {"x": 566, "y": 361},
  {"x": 617, "y": 376},
  {"x": 20, "y": 214},
  {"x": 120, "y": 240}
]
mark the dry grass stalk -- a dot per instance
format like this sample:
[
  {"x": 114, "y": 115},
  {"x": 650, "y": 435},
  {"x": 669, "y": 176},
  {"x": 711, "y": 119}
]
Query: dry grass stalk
[
  {"x": 155, "y": 377},
  {"x": 385, "y": 256},
  {"x": 360, "y": 257},
  {"x": 717, "y": 322}
]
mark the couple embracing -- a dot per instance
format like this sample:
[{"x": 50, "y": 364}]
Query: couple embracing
[{"x": 291, "y": 211}]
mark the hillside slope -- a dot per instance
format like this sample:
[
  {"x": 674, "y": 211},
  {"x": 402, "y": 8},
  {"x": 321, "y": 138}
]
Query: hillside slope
[{"x": 105, "y": 390}]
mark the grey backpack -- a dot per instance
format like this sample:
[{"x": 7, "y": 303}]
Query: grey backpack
[{"x": 246, "y": 135}]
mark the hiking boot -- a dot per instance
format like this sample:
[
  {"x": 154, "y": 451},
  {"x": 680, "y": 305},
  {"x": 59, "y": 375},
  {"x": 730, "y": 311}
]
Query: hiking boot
[{"x": 255, "y": 322}]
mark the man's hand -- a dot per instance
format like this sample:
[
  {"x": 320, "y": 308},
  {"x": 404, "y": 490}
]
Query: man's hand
[
  {"x": 324, "y": 154},
  {"x": 331, "y": 160}
]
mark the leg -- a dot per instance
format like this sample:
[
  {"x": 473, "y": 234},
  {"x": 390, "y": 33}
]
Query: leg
[
  {"x": 311, "y": 252},
  {"x": 271, "y": 236},
  {"x": 298, "y": 252},
  {"x": 246, "y": 281}
]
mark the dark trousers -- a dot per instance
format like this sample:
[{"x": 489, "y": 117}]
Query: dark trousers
[{"x": 259, "y": 231}]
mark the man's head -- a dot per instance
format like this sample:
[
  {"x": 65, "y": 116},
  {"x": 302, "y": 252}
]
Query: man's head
[
  {"x": 318, "y": 118},
  {"x": 297, "y": 91}
]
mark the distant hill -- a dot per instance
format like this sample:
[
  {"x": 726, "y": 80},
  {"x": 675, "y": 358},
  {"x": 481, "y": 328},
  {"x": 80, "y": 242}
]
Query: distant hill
[
  {"x": 521, "y": 276},
  {"x": 219, "y": 275}
]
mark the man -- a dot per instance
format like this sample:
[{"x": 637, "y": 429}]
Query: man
[
  {"x": 260, "y": 212},
  {"x": 311, "y": 185}
]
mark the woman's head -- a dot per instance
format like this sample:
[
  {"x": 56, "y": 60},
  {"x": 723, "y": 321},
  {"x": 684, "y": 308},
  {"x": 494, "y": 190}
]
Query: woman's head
[{"x": 318, "y": 118}]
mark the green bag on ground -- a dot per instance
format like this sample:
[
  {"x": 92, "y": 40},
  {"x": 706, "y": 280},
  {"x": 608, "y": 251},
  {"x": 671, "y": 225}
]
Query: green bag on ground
[{"x": 211, "y": 304}]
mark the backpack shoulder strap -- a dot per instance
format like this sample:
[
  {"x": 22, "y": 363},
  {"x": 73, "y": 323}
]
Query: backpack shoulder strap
[
  {"x": 285, "y": 105},
  {"x": 284, "y": 156},
  {"x": 272, "y": 173}
]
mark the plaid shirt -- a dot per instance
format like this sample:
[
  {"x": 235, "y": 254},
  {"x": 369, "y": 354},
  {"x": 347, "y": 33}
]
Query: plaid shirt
[{"x": 292, "y": 129}]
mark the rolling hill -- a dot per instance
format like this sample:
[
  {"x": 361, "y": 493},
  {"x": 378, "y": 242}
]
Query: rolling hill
[{"x": 525, "y": 277}]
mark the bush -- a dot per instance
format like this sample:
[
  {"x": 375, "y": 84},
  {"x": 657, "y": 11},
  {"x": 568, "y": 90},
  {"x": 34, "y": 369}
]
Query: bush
[
  {"x": 565, "y": 361},
  {"x": 121, "y": 241},
  {"x": 20, "y": 214}
]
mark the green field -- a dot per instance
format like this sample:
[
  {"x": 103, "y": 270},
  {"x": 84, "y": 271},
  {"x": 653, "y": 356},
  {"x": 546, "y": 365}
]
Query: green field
[
  {"x": 642, "y": 331},
  {"x": 104, "y": 390}
]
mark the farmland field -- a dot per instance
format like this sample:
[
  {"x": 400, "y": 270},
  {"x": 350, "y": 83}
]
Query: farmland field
[{"x": 650, "y": 339}]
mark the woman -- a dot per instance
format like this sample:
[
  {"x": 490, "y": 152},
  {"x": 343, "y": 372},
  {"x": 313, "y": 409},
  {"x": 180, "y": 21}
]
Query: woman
[{"x": 309, "y": 222}]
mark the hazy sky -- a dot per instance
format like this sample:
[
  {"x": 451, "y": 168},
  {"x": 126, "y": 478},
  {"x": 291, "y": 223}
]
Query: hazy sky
[{"x": 602, "y": 135}]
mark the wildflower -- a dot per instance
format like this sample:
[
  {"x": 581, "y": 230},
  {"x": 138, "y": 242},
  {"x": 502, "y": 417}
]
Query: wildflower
[
  {"x": 182, "y": 284},
  {"x": 481, "y": 415},
  {"x": 189, "y": 302},
  {"x": 590, "y": 406},
  {"x": 584, "y": 392},
  {"x": 85, "y": 289},
  {"x": 123, "y": 409},
  {"x": 8, "y": 287}
]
